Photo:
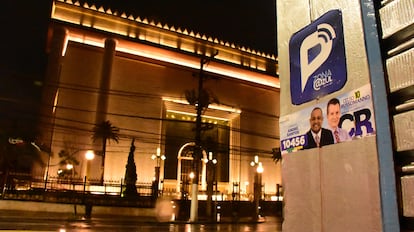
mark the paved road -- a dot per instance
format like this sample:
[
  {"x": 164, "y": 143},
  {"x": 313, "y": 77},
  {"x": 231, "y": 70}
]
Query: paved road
[{"x": 29, "y": 221}]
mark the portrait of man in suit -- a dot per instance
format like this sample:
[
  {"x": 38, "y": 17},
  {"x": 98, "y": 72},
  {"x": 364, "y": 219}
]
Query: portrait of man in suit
[
  {"x": 317, "y": 136},
  {"x": 333, "y": 113}
]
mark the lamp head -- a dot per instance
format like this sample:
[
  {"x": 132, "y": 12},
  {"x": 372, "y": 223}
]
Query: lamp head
[{"x": 89, "y": 155}]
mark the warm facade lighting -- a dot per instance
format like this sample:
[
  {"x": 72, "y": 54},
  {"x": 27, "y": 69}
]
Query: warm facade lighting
[
  {"x": 211, "y": 106},
  {"x": 128, "y": 26},
  {"x": 194, "y": 115}
]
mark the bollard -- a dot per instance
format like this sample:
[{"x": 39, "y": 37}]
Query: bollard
[{"x": 88, "y": 210}]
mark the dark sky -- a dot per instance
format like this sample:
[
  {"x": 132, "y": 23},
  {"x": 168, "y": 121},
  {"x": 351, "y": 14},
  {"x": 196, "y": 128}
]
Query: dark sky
[
  {"x": 244, "y": 22},
  {"x": 22, "y": 61}
]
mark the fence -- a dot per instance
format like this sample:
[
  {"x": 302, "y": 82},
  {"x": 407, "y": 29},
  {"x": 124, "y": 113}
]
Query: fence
[
  {"x": 19, "y": 181},
  {"x": 25, "y": 182},
  {"x": 74, "y": 190}
]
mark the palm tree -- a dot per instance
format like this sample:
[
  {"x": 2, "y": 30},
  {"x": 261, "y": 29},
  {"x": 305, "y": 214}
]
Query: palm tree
[
  {"x": 65, "y": 159},
  {"x": 104, "y": 131},
  {"x": 276, "y": 154},
  {"x": 206, "y": 98}
]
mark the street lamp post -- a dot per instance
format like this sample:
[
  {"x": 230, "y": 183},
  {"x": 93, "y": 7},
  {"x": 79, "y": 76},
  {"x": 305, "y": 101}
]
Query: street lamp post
[
  {"x": 191, "y": 175},
  {"x": 47, "y": 170},
  {"x": 89, "y": 156},
  {"x": 210, "y": 181},
  {"x": 70, "y": 167},
  {"x": 257, "y": 185},
  {"x": 158, "y": 158}
]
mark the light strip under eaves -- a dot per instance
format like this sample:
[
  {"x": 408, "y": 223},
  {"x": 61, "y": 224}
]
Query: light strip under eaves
[
  {"x": 230, "y": 61},
  {"x": 211, "y": 106},
  {"x": 195, "y": 115},
  {"x": 172, "y": 57}
]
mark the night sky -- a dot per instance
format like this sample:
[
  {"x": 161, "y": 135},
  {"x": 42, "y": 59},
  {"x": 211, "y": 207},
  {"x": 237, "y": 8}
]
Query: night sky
[
  {"x": 244, "y": 22},
  {"x": 23, "y": 62}
]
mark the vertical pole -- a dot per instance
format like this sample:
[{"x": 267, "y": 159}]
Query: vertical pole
[
  {"x": 84, "y": 185},
  {"x": 121, "y": 187},
  {"x": 157, "y": 181},
  {"x": 260, "y": 185},
  {"x": 277, "y": 191},
  {"x": 210, "y": 180},
  {"x": 197, "y": 152},
  {"x": 256, "y": 195},
  {"x": 390, "y": 219},
  {"x": 216, "y": 192},
  {"x": 198, "y": 149},
  {"x": 47, "y": 171},
  {"x": 179, "y": 188}
]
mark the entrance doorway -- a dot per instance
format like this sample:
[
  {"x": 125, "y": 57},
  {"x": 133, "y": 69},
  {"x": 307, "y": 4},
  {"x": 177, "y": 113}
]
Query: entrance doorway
[{"x": 185, "y": 167}]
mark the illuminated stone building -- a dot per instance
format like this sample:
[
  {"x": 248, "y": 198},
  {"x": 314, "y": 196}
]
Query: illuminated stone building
[{"x": 106, "y": 65}]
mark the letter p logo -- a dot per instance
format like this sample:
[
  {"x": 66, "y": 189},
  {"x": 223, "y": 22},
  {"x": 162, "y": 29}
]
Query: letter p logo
[
  {"x": 318, "y": 48},
  {"x": 315, "y": 50}
]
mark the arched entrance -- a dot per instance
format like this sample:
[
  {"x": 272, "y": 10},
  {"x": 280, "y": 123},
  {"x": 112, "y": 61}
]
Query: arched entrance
[{"x": 184, "y": 167}]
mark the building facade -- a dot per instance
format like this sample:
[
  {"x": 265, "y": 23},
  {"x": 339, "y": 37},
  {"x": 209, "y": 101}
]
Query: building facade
[{"x": 106, "y": 65}]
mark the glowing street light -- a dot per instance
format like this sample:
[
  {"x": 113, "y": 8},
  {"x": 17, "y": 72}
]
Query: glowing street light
[
  {"x": 158, "y": 157},
  {"x": 255, "y": 161},
  {"x": 89, "y": 156},
  {"x": 259, "y": 168},
  {"x": 69, "y": 166},
  {"x": 257, "y": 184},
  {"x": 191, "y": 175}
]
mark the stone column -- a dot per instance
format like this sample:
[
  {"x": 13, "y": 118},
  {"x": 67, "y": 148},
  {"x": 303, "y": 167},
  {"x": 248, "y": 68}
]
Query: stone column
[
  {"x": 235, "y": 155},
  {"x": 105, "y": 82},
  {"x": 103, "y": 96},
  {"x": 46, "y": 125},
  {"x": 50, "y": 87}
]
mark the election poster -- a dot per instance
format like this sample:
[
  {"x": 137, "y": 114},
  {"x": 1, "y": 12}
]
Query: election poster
[{"x": 346, "y": 117}]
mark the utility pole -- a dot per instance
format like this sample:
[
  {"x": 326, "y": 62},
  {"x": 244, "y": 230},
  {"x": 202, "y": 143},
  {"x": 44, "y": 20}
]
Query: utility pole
[{"x": 198, "y": 149}]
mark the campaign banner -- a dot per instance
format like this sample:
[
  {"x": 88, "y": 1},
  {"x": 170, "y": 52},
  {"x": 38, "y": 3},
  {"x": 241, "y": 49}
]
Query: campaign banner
[
  {"x": 317, "y": 59},
  {"x": 341, "y": 119}
]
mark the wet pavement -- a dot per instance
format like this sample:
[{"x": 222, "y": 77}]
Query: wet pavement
[{"x": 35, "y": 221}]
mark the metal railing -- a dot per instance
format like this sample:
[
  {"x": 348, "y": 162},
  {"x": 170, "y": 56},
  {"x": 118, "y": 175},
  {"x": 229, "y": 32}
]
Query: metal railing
[{"x": 75, "y": 191}]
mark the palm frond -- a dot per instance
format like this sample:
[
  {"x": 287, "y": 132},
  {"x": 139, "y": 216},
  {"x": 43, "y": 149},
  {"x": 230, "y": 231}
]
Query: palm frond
[
  {"x": 105, "y": 130},
  {"x": 276, "y": 154}
]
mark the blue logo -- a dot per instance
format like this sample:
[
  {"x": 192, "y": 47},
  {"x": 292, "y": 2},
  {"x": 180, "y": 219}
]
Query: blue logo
[{"x": 317, "y": 59}]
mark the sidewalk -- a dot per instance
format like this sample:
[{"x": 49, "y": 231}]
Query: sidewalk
[
  {"x": 12, "y": 215},
  {"x": 31, "y": 211},
  {"x": 36, "y": 215}
]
